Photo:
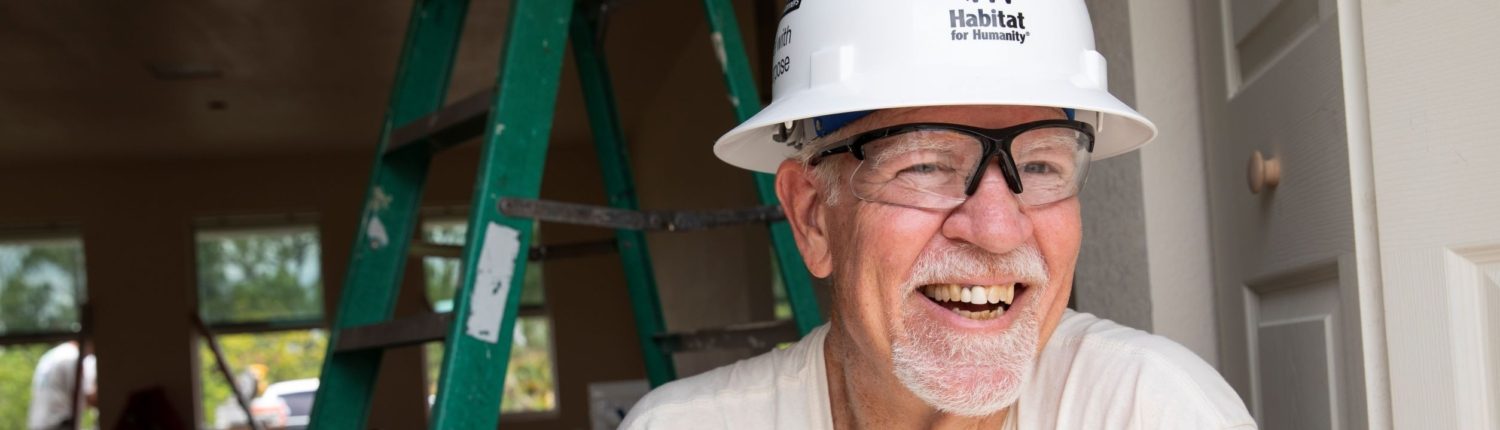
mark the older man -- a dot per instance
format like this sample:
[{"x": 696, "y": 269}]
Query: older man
[{"x": 929, "y": 156}]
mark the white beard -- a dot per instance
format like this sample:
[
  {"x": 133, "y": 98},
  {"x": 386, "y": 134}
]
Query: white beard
[{"x": 965, "y": 374}]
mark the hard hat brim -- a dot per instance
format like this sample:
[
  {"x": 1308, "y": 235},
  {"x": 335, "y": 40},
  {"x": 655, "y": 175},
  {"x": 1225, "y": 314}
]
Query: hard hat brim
[{"x": 750, "y": 146}]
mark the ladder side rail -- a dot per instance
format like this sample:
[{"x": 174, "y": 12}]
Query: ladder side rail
[
  {"x": 388, "y": 216},
  {"x": 510, "y": 165},
  {"x": 725, "y": 32},
  {"x": 614, "y": 164}
]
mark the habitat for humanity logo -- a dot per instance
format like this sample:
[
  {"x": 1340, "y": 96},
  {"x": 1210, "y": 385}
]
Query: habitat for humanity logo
[{"x": 987, "y": 23}]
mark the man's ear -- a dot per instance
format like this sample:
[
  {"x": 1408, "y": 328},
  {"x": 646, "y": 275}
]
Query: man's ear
[{"x": 805, "y": 211}]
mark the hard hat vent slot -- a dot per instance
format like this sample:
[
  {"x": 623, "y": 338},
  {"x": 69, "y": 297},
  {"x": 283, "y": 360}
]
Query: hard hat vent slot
[{"x": 1092, "y": 71}]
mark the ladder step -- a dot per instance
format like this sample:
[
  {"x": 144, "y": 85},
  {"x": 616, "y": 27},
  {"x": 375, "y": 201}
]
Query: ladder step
[
  {"x": 537, "y": 253},
  {"x": 756, "y": 335},
  {"x": 428, "y": 327},
  {"x": 448, "y": 127},
  {"x": 626, "y": 219},
  {"x": 399, "y": 332}
]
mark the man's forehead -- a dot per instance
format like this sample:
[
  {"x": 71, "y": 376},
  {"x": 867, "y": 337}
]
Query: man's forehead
[{"x": 986, "y": 116}]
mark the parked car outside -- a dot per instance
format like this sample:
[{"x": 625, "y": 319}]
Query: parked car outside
[{"x": 295, "y": 396}]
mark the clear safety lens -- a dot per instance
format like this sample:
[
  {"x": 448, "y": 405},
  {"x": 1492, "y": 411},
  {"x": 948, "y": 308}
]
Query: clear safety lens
[
  {"x": 1052, "y": 163},
  {"x": 933, "y": 168}
]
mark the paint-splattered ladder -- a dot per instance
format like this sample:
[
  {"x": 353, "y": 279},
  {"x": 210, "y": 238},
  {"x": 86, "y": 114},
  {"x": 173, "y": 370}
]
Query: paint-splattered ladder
[{"x": 515, "y": 122}]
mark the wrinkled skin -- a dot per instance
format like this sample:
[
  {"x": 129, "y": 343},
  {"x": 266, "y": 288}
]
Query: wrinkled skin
[{"x": 867, "y": 250}]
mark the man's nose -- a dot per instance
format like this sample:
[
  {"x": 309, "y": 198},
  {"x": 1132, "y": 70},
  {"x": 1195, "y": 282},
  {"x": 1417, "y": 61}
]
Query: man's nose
[{"x": 991, "y": 218}]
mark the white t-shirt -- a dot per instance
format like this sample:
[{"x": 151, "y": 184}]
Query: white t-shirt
[
  {"x": 1093, "y": 374},
  {"x": 52, "y": 387}
]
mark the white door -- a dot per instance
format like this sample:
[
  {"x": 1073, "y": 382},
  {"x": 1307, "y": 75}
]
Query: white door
[
  {"x": 1287, "y": 261},
  {"x": 1433, "y": 95}
]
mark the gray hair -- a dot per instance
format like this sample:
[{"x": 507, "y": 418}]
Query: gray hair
[{"x": 826, "y": 174}]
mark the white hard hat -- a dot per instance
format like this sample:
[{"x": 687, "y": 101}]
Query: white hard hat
[{"x": 842, "y": 56}]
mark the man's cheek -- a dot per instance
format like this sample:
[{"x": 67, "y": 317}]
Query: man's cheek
[
  {"x": 895, "y": 238},
  {"x": 1058, "y": 229}
]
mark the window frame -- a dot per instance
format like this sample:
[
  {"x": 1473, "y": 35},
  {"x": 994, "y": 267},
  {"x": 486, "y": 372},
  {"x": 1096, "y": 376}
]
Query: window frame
[
  {"x": 266, "y": 223},
  {"x": 47, "y": 233},
  {"x": 289, "y": 222}
]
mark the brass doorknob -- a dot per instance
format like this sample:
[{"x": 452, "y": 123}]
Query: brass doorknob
[{"x": 1263, "y": 173}]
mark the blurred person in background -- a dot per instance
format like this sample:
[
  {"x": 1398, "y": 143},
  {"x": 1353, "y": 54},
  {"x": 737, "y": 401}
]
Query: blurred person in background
[{"x": 52, "y": 388}]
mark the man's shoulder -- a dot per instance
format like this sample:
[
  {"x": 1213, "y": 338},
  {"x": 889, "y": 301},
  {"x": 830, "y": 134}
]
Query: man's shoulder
[
  {"x": 1098, "y": 364},
  {"x": 62, "y": 353},
  {"x": 743, "y": 378},
  {"x": 1083, "y": 334},
  {"x": 739, "y": 394}
]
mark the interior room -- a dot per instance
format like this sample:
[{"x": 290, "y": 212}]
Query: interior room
[{"x": 199, "y": 197}]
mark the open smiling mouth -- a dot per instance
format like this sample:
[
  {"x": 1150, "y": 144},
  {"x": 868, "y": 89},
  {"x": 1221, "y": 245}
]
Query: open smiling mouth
[{"x": 975, "y": 302}]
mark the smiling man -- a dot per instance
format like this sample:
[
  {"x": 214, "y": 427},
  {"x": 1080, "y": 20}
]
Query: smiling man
[{"x": 931, "y": 176}]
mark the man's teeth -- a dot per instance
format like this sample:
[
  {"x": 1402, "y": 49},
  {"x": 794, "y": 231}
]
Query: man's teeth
[
  {"x": 976, "y": 294},
  {"x": 981, "y": 315},
  {"x": 973, "y": 294}
]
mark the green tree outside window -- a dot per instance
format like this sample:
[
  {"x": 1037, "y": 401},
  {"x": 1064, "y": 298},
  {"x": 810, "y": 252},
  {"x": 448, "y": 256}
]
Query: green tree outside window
[{"x": 259, "y": 275}]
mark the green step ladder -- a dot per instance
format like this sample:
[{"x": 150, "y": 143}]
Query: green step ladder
[{"x": 515, "y": 121}]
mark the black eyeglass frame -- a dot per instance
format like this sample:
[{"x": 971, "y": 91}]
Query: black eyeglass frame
[{"x": 996, "y": 141}]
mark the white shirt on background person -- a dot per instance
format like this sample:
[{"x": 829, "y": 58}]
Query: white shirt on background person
[{"x": 52, "y": 387}]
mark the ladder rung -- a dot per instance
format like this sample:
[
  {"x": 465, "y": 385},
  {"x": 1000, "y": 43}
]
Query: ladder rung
[
  {"x": 537, "y": 253},
  {"x": 626, "y": 219},
  {"x": 405, "y": 331},
  {"x": 756, "y": 335},
  {"x": 449, "y": 126}
]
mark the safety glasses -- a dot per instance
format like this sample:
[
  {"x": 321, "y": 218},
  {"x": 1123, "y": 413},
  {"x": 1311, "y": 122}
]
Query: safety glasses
[{"x": 938, "y": 166}]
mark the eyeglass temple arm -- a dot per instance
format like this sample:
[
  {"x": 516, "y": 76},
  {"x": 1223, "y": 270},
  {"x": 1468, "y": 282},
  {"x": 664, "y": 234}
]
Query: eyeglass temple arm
[{"x": 831, "y": 151}]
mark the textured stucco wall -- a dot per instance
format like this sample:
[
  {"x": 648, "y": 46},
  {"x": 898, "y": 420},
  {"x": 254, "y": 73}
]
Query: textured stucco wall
[
  {"x": 1174, "y": 184},
  {"x": 1112, "y": 278}
]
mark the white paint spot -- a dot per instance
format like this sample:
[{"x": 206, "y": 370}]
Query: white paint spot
[
  {"x": 499, "y": 128},
  {"x": 375, "y": 233},
  {"x": 379, "y": 200},
  {"x": 497, "y": 263},
  {"x": 718, "y": 39}
]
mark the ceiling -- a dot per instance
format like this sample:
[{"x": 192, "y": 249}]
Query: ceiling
[{"x": 103, "y": 82}]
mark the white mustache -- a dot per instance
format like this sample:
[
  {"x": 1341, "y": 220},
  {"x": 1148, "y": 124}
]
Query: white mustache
[{"x": 972, "y": 262}]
